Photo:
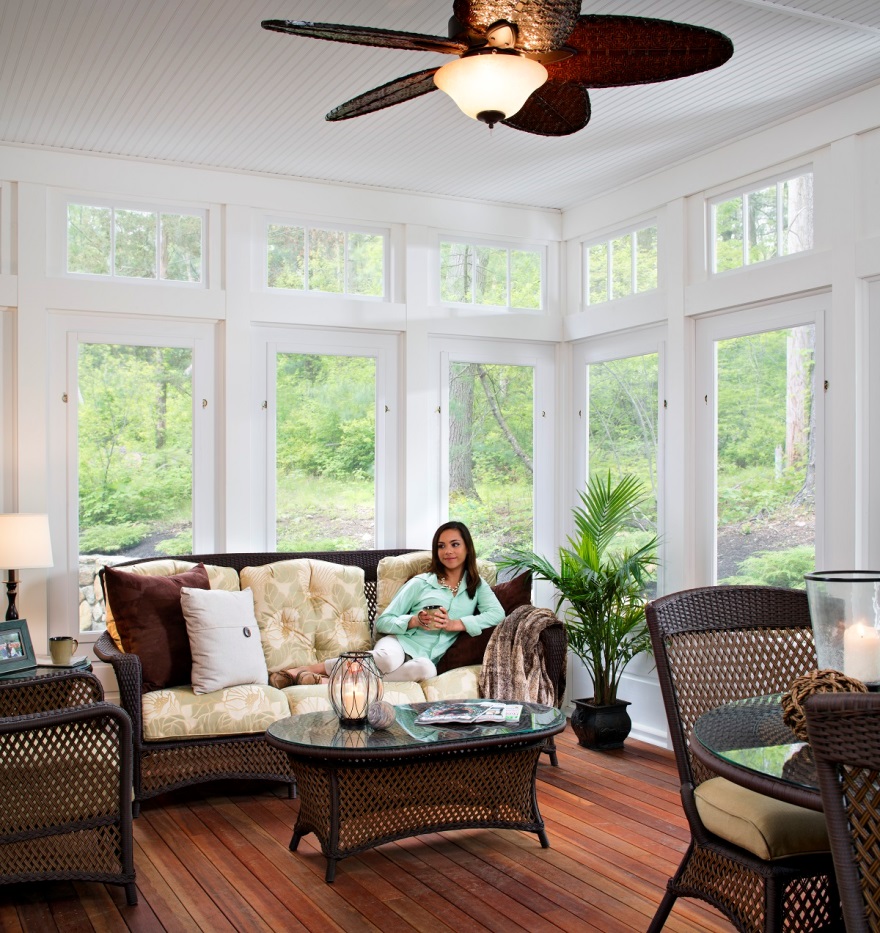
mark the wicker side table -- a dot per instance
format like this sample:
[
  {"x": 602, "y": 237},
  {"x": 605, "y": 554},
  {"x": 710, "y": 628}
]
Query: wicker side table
[{"x": 359, "y": 788}]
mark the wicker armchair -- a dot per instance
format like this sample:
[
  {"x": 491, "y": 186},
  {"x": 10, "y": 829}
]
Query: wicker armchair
[
  {"x": 65, "y": 783},
  {"x": 712, "y": 646},
  {"x": 844, "y": 732}
]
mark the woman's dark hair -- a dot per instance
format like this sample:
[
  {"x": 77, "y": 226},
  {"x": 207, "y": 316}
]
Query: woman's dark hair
[{"x": 470, "y": 564}]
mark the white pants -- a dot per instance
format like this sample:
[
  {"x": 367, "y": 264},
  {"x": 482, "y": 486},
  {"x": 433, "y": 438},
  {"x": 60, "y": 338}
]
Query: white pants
[{"x": 392, "y": 662}]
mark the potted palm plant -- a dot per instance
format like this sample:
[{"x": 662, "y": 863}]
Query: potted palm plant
[{"x": 604, "y": 589}]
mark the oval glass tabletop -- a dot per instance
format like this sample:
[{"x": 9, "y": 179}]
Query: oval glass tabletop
[
  {"x": 322, "y": 730},
  {"x": 751, "y": 734}
]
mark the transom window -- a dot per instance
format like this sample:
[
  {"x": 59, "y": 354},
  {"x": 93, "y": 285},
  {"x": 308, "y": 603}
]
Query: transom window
[
  {"x": 491, "y": 275},
  {"x": 764, "y": 223},
  {"x": 134, "y": 243},
  {"x": 621, "y": 266},
  {"x": 333, "y": 261}
]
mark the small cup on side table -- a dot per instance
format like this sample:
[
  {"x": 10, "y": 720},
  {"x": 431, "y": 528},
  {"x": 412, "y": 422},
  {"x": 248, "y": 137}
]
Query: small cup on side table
[{"x": 61, "y": 647}]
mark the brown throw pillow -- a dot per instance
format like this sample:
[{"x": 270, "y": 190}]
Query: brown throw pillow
[
  {"x": 514, "y": 593},
  {"x": 469, "y": 649},
  {"x": 150, "y": 622}
]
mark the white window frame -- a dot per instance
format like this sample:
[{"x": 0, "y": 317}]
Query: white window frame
[
  {"x": 743, "y": 193},
  {"x": 631, "y": 230},
  {"x": 709, "y": 330},
  {"x": 67, "y": 332},
  {"x": 507, "y": 245},
  {"x": 306, "y": 224},
  {"x": 268, "y": 342},
  {"x": 152, "y": 207},
  {"x": 604, "y": 350}
]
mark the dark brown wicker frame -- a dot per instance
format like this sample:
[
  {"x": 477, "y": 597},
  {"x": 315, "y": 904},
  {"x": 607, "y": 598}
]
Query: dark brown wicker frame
[
  {"x": 167, "y": 765},
  {"x": 714, "y": 645},
  {"x": 56, "y": 829},
  {"x": 844, "y": 730}
]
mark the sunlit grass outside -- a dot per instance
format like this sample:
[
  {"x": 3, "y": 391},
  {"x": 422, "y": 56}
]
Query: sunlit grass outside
[{"x": 316, "y": 513}]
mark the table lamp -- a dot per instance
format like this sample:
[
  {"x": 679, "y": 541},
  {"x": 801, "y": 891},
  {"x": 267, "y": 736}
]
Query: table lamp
[{"x": 24, "y": 543}]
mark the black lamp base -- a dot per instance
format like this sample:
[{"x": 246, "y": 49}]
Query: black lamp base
[{"x": 11, "y": 593}]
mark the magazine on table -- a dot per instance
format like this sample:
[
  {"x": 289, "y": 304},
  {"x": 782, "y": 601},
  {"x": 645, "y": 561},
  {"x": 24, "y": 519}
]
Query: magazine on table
[{"x": 487, "y": 711}]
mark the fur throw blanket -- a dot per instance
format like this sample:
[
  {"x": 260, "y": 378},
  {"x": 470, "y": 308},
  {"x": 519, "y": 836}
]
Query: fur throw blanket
[{"x": 513, "y": 665}]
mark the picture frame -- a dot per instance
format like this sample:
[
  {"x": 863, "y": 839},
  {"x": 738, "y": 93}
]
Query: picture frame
[{"x": 16, "y": 650}]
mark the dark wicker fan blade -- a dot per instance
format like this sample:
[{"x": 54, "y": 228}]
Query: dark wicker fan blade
[
  {"x": 553, "y": 110},
  {"x": 542, "y": 24},
  {"x": 616, "y": 51},
  {"x": 364, "y": 35},
  {"x": 395, "y": 92}
]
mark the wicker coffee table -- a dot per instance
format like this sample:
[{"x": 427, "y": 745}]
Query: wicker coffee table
[{"x": 359, "y": 788}]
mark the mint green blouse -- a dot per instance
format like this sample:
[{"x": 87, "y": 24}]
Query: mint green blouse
[{"x": 425, "y": 590}]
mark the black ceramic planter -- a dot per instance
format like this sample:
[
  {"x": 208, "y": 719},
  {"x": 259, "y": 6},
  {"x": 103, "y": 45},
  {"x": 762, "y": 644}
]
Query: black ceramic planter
[{"x": 601, "y": 727}]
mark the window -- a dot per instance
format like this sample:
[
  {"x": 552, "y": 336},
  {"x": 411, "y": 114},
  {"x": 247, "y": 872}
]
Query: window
[
  {"x": 621, "y": 266},
  {"x": 132, "y": 243},
  {"x": 134, "y": 425},
  {"x": 490, "y": 275},
  {"x": 760, "y": 463},
  {"x": 765, "y": 223},
  {"x": 332, "y": 261}
]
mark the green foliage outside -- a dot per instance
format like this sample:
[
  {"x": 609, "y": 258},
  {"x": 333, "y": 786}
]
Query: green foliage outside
[
  {"x": 625, "y": 278},
  {"x": 776, "y": 568},
  {"x": 338, "y": 261},
  {"x": 135, "y": 442},
  {"x": 481, "y": 275},
  {"x": 95, "y": 233}
]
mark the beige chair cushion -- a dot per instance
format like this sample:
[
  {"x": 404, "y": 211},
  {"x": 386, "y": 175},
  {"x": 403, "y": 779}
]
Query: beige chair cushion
[
  {"x": 177, "y": 712},
  {"x": 461, "y": 683},
  {"x": 220, "y": 578},
  {"x": 308, "y": 610},
  {"x": 313, "y": 698},
  {"x": 393, "y": 572},
  {"x": 768, "y": 828}
]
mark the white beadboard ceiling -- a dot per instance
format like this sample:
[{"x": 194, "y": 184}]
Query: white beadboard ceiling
[{"x": 198, "y": 82}]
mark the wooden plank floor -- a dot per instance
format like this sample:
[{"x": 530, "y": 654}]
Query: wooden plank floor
[{"x": 215, "y": 858}]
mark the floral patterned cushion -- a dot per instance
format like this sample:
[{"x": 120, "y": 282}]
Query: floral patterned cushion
[
  {"x": 177, "y": 712},
  {"x": 393, "y": 572},
  {"x": 308, "y": 699},
  {"x": 308, "y": 610},
  {"x": 461, "y": 683},
  {"x": 220, "y": 578}
]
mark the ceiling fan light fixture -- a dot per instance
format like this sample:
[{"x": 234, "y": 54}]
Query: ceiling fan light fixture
[{"x": 491, "y": 84}]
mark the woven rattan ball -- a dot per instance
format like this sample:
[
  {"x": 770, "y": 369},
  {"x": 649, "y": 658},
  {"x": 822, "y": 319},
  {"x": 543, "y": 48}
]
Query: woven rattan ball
[
  {"x": 380, "y": 715},
  {"x": 802, "y": 688}
]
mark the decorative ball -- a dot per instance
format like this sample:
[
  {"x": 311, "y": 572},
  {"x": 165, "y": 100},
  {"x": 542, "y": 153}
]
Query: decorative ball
[
  {"x": 380, "y": 714},
  {"x": 802, "y": 688}
]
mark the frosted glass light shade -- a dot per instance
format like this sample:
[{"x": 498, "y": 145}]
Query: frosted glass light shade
[
  {"x": 24, "y": 541},
  {"x": 491, "y": 83}
]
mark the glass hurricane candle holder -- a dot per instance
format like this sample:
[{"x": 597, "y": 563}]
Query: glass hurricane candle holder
[
  {"x": 845, "y": 615},
  {"x": 355, "y": 683}
]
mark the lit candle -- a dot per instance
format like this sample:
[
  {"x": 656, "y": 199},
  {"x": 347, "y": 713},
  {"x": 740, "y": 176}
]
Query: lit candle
[
  {"x": 861, "y": 652},
  {"x": 354, "y": 700}
]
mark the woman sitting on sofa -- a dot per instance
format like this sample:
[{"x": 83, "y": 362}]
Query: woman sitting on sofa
[{"x": 425, "y": 616}]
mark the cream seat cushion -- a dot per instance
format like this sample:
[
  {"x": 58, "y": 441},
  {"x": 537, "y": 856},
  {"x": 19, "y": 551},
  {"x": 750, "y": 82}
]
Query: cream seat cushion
[
  {"x": 220, "y": 578},
  {"x": 393, "y": 572},
  {"x": 460, "y": 683},
  {"x": 314, "y": 698},
  {"x": 177, "y": 712},
  {"x": 308, "y": 610},
  {"x": 768, "y": 828}
]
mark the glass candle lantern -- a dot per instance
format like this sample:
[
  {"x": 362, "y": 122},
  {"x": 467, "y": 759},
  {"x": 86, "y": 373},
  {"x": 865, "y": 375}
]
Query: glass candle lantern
[
  {"x": 355, "y": 683},
  {"x": 845, "y": 615}
]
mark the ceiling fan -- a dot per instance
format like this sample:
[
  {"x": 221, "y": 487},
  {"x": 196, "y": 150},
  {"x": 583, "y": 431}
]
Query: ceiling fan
[{"x": 528, "y": 63}]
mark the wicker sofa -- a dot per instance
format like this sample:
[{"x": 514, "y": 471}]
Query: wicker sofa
[{"x": 181, "y": 739}]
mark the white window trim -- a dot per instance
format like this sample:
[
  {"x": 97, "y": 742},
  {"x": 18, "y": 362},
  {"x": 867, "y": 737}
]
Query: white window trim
[
  {"x": 268, "y": 342},
  {"x": 315, "y": 224},
  {"x": 57, "y": 253},
  {"x": 606, "y": 240},
  {"x": 742, "y": 192},
  {"x": 67, "y": 331},
  {"x": 740, "y": 324},
  {"x": 509, "y": 246}
]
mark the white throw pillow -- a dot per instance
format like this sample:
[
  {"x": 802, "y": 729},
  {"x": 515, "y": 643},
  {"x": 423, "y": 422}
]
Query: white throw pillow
[{"x": 224, "y": 639}]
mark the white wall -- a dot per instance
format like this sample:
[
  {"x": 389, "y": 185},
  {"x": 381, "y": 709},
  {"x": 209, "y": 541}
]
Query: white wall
[{"x": 839, "y": 141}]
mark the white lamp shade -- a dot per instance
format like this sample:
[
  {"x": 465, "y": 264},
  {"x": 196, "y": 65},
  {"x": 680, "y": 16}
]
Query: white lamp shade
[
  {"x": 24, "y": 541},
  {"x": 491, "y": 82}
]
